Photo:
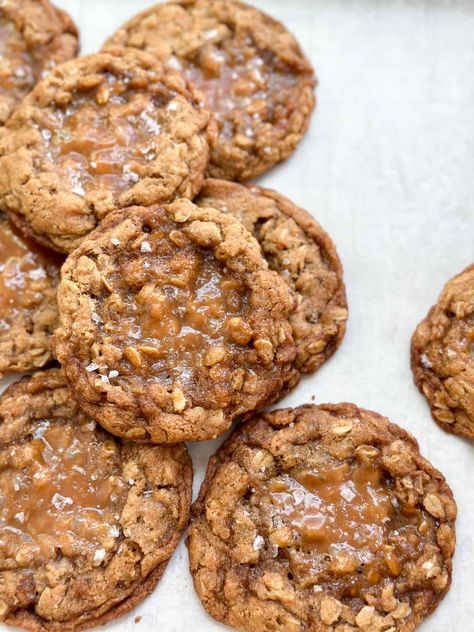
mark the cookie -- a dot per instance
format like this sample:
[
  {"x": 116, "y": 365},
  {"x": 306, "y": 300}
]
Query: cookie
[
  {"x": 29, "y": 276},
  {"x": 321, "y": 518},
  {"x": 172, "y": 324},
  {"x": 303, "y": 254},
  {"x": 34, "y": 36},
  {"x": 252, "y": 71},
  {"x": 88, "y": 523},
  {"x": 442, "y": 356},
  {"x": 101, "y": 132}
]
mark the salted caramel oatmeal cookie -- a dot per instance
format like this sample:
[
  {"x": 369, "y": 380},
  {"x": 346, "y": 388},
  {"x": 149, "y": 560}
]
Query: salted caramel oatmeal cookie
[
  {"x": 88, "y": 523},
  {"x": 251, "y": 69},
  {"x": 29, "y": 276},
  {"x": 442, "y": 357},
  {"x": 101, "y": 132},
  {"x": 321, "y": 518},
  {"x": 303, "y": 254},
  {"x": 34, "y": 37},
  {"x": 172, "y": 324}
]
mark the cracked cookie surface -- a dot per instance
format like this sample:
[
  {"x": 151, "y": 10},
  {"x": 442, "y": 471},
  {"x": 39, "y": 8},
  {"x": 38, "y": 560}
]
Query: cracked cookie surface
[
  {"x": 29, "y": 276},
  {"x": 88, "y": 522},
  {"x": 442, "y": 356},
  {"x": 303, "y": 254},
  {"x": 321, "y": 518},
  {"x": 251, "y": 69},
  {"x": 101, "y": 132},
  {"x": 34, "y": 37},
  {"x": 172, "y": 324}
]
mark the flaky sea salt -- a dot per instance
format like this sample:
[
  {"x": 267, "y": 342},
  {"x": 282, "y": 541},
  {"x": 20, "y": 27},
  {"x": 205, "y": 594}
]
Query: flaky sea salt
[
  {"x": 347, "y": 493},
  {"x": 145, "y": 246},
  {"x": 258, "y": 543},
  {"x": 425, "y": 361},
  {"x": 92, "y": 367},
  {"x": 99, "y": 555},
  {"x": 60, "y": 502},
  {"x": 114, "y": 531}
]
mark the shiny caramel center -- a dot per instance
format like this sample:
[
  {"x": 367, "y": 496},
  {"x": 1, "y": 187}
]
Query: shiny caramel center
[
  {"x": 240, "y": 83},
  {"x": 104, "y": 141},
  {"x": 343, "y": 525},
  {"x": 60, "y": 491},
  {"x": 174, "y": 316},
  {"x": 339, "y": 507},
  {"x": 177, "y": 315}
]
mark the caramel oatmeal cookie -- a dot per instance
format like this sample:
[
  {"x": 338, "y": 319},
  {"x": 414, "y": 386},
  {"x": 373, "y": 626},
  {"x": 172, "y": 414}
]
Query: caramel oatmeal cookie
[
  {"x": 442, "y": 356},
  {"x": 172, "y": 324},
  {"x": 303, "y": 254},
  {"x": 34, "y": 37},
  {"x": 255, "y": 77},
  {"x": 88, "y": 523},
  {"x": 321, "y": 518},
  {"x": 29, "y": 276},
  {"x": 101, "y": 132}
]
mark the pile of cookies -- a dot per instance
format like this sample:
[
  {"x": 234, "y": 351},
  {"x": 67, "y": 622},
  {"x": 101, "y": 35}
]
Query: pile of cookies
[{"x": 176, "y": 299}]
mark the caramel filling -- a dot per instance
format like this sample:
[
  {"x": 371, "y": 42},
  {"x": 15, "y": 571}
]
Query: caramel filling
[
  {"x": 245, "y": 87},
  {"x": 103, "y": 143},
  {"x": 25, "y": 273},
  {"x": 344, "y": 521},
  {"x": 60, "y": 491},
  {"x": 177, "y": 316},
  {"x": 343, "y": 506},
  {"x": 16, "y": 64}
]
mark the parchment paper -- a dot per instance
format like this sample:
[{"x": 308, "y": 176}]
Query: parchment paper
[{"x": 387, "y": 168}]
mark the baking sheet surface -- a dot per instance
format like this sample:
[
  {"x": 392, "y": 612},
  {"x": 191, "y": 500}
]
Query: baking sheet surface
[{"x": 387, "y": 168}]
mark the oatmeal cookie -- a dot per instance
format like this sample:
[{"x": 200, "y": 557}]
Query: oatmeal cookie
[
  {"x": 29, "y": 276},
  {"x": 88, "y": 523},
  {"x": 172, "y": 324},
  {"x": 251, "y": 69},
  {"x": 321, "y": 518},
  {"x": 34, "y": 37},
  {"x": 442, "y": 356},
  {"x": 101, "y": 132},
  {"x": 303, "y": 254}
]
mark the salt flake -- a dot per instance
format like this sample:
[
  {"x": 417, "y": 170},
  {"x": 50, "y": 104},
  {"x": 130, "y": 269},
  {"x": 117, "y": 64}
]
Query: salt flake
[{"x": 258, "y": 543}]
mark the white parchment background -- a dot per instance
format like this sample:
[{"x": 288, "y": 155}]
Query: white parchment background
[{"x": 387, "y": 168}]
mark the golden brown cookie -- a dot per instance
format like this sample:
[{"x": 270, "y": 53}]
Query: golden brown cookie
[
  {"x": 29, "y": 276},
  {"x": 34, "y": 37},
  {"x": 101, "y": 132},
  {"x": 321, "y": 518},
  {"x": 251, "y": 69},
  {"x": 88, "y": 523},
  {"x": 303, "y": 254},
  {"x": 172, "y": 324},
  {"x": 442, "y": 356}
]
